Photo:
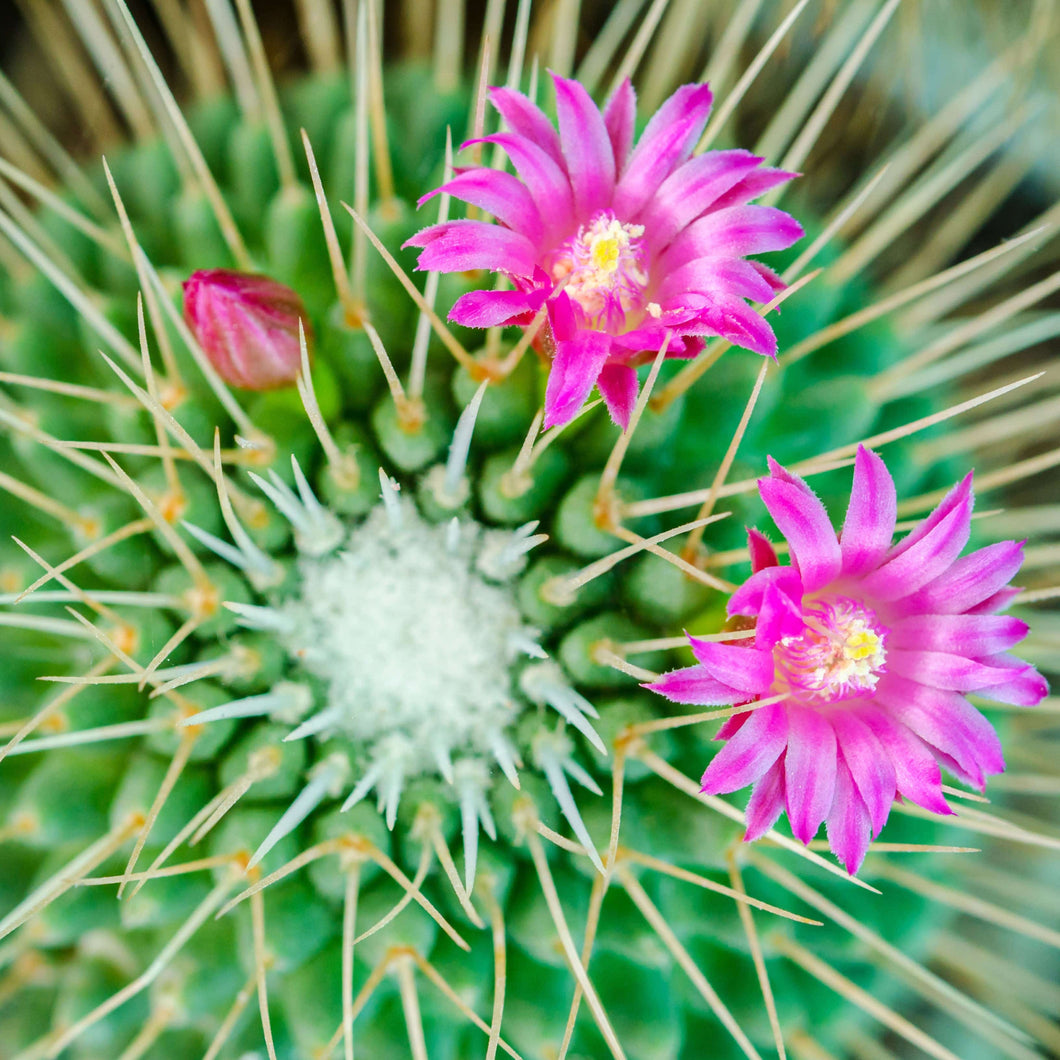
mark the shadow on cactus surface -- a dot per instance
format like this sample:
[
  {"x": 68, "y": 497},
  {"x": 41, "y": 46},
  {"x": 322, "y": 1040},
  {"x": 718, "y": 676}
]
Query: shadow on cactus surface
[{"x": 324, "y": 730}]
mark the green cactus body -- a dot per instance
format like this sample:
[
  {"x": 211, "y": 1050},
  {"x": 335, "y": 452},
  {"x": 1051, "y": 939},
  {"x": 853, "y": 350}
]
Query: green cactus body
[{"x": 375, "y": 701}]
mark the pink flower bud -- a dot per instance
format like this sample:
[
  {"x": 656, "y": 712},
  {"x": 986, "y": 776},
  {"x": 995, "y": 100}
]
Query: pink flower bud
[{"x": 248, "y": 326}]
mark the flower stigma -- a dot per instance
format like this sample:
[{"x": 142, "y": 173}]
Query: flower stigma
[
  {"x": 840, "y": 653},
  {"x": 603, "y": 270}
]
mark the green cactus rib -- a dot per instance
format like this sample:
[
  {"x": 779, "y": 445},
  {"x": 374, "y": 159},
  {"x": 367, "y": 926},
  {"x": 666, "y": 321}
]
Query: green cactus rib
[{"x": 178, "y": 755}]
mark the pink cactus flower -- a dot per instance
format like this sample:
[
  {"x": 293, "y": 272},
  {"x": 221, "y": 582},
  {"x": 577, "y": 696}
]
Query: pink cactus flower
[
  {"x": 873, "y": 648},
  {"x": 248, "y": 327},
  {"x": 624, "y": 244}
]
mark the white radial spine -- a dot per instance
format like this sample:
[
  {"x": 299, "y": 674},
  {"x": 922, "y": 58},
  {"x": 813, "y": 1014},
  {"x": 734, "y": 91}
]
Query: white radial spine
[
  {"x": 261, "y": 571},
  {"x": 391, "y": 784},
  {"x": 503, "y": 561},
  {"x": 285, "y": 702},
  {"x": 248, "y": 707},
  {"x": 389, "y": 490},
  {"x": 505, "y": 756},
  {"x": 317, "y": 531},
  {"x": 283, "y": 499},
  {"x": 452, "y": 535},
  {"x": 325, "y": 779},
  {"x": 523, "y": 642},
  {"x": 266, "y": 619},
  {"x": 363, "y": 786},
  {"x": 474, "y": 814},
  {"x": 317, "y": 723},
  {"x": 543, "y": 683},
  {"x": 229, "y": 553},
  {"x": 454, "y": 485},
  {"x": 444, "y": 761},
  {"x": 555, "y": 768}
]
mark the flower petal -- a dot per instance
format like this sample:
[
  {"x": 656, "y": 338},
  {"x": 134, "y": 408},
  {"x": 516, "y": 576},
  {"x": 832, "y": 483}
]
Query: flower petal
[
  {"x": 746, "y": 668},
  {"x": 869, "y": 525},
  {"x": 869, "y": 764},
  {"x": 999, "y": 601},
  {"x": 917, "y": 774},
  {"x": 528, "y": 120},
  {"x": 1024, "y": 688},
  {"x": 946, "y": 720},
  {"x": 694, "y": 684},
  {"x": 573, "y": 374},
  {"x": 666, "y": 142},
  {"x": 620, "y": 115},
  {"x": 732, "y": 725},
  {"x": 716, "y": 277},
  {"x": 748, "y": 599},
  {"x": 690, "y": 190},
  {"x": 930, "y": 556},
  {"x": 940, "y": 669},
  {"x": 749, "y": 753},
  {"x": 762, "y": 553},
  {"x": 974, "y": 779},
  {"x": 809, "y": 771},
  {"x": 457, "y": 246},
  {"x": 617, "y": 384},
  {"x": 970, "y": 581},
  {"x": 766, "y": 803},
  {"x": 956, "y": 496},
  {"x": 734, "y": 232},
  {"x": 801, "y": 518},
  {"x": 545, "y": 178},
  {"x": 780, "y": 615},
  {"x": 487, "y": 309},
  {"x": 502, "y": 194},
  {"x": 586, "y": 146},
  {"x": 753, "y": 185},
  {"x": 848, "y": 822},
  {"x": 974, "y": 636},
  {"x": 739, "y": 323},
  {"x": 775, "y": 282}
]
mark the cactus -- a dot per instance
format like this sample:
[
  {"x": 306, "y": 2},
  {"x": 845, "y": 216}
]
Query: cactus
[{"x": 343, "y": 747}]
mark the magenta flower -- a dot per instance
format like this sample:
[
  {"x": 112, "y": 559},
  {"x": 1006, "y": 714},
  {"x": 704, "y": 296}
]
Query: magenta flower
[
  {"x": 873, "y": 647},
  {"x": 625, "y": 244},
  {"x": 248, "y": 327}
]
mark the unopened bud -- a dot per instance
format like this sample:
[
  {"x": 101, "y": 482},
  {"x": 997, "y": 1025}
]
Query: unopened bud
[{"x": 247, "y": 325}]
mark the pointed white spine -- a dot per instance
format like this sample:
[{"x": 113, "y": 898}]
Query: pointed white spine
[
  {"x": 551, "y": 752},
  {"x": 543, "y": 683},
  {"x": 244, "y": 555},
  {"x": 363, "y": 786},
  {"x": 229, "y": 553},
  {"x": 317, "y": 531},
  {"x": 317, "y": 723},
  {"x": 444, "y": 761},
  {"x": 254, "y": 616},
  {"x": 523, "y": 642},
  {"x": 389, "y": 490},
  {"x": 502, "y": 559},
  {"x": 454, "y": 486},
  {"x": 452, "y": 535},
  {"x": 285, "y": 702},
  {"x": 505, "y": 756},
  {"x": 325, "y": 779},
  {"x": 471, "y": 784}
]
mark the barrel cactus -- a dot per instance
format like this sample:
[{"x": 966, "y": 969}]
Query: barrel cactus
[{"x": 344, "y": 626}]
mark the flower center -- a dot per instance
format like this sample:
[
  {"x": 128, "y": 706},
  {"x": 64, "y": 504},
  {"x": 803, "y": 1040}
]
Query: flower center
[
  {"x": 839, "y": 654},
  {"x": 603, "y": 271}
]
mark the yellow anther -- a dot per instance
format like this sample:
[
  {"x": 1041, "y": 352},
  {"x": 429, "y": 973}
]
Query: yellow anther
[
  {"x": 862, "y": 644},
  {"x": 605, "y": 252}
]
